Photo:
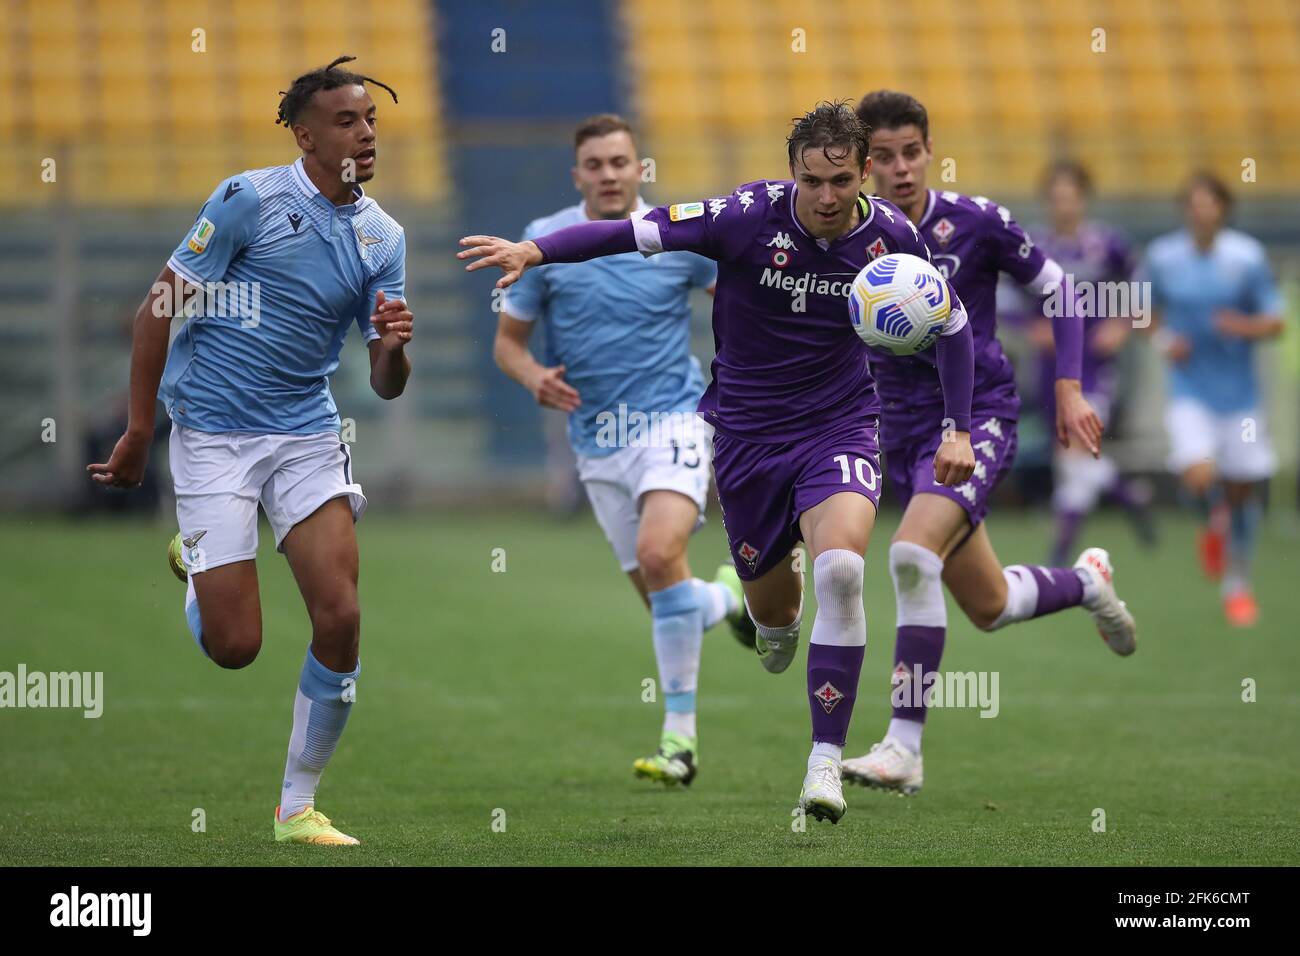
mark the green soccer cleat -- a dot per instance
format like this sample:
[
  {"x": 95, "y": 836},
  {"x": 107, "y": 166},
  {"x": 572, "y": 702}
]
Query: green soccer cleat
[
  {"x": 310, "y": 826},
  {"x": 174, "y": 559},
  {"x": 674, "y": 762},
  {"x": 742, "y": 626}
]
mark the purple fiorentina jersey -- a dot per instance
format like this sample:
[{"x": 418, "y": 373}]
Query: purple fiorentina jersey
[
  {"x": 789, "y": 364},
  {"x": 971, "y": 240}
]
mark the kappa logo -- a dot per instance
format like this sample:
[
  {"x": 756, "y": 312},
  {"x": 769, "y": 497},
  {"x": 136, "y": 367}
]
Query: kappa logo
[
  {"x": 967, "y": 491},
  {"x": 782, "y": 240},
  {"x": 716, "y": 206},
  {"x": 774, "y": 191},
  {"x": 987, "y": 449},
  {"x": 883, "y": 207},
  {"x": 193, "y": 540},
  {"x": 746, "y": 199},
  {"x": 295, "y": 219},
  {"x": 748, "y": 553},
  {"x": 943, "y": 230},
  {"x": 828, "y": 695},
  {"x": 981, "y": 472},
  {"x": 993, "y": 427},
  {"x": 877, "y": 249}
]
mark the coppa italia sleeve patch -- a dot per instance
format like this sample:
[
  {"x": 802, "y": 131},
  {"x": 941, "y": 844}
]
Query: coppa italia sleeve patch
[
  {"x": 685, "y": 210},
  {"x": 202, "y": 233}
]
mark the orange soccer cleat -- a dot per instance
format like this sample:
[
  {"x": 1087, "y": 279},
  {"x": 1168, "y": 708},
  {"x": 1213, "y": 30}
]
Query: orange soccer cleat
[{"x": 1241, "y": 609}]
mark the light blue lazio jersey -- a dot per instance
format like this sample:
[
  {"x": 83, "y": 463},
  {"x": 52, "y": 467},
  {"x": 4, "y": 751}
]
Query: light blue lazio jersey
[
  {"x": 286, "y": 274},
  {"x": 621, "y": 327},
  {"x": 1189, "y": 287}
]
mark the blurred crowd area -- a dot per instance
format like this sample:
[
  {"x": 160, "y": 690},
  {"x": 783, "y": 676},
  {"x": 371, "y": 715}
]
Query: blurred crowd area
[{"x": 119, "y": 116}]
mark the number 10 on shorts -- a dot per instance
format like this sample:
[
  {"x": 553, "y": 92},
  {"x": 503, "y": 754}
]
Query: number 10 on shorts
[{"x": 860, "y": 468}]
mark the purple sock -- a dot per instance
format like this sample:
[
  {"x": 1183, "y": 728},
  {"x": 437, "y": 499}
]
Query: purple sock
[
  {"x": 832, "y": 688},
  {"x": 917, "y": 652},
  {"x": 1058, "y": 588},
  {"x": 1067, "y": 529}
]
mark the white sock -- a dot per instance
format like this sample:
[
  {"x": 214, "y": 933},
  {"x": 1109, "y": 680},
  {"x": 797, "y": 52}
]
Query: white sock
[
  {"x": 320, "y": 712},
  {"x": 907, "y": 733},
  {"x": 677, "y": 627},
  {"x": 823, "y": 749},
  {"x": 192, "y": 615},
  {"x": 716, "y": 601},
  {"x": 676, "y": 722},
  {"x": 768, "y": 633},
  {"x": 1022, "y": 596},
  {"x": 841, "y": 620}
]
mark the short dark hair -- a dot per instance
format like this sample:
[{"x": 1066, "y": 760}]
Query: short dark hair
[
  {"x": 602, "y": 124},
  {"x": 889, "y": 109},
  {"x": 1072, "y": 170},
  {"x": 829, "y": 126},
  {"x": 300, "y": 92},
  {"x": 1216, "y": 187}
]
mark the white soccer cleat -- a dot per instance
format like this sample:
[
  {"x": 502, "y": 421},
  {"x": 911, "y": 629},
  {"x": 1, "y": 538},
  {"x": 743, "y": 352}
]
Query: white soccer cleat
[
  {"x": 1114, "y": 622},
  {"x": 822, "y": 796},
  {"x": 776, "y": 655},
  {"x": 888, "y": 766}
]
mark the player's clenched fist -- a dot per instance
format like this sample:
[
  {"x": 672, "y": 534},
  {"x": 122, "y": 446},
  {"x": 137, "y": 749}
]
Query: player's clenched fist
[
  {"x": 954, "y": 462},
  {"x": 512, "y": 258},
  {"x": 393, "y": 321}
]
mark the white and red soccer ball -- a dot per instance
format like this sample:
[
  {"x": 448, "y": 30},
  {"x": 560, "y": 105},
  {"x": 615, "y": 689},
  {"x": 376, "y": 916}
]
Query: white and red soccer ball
[{"x": 899, "y": 303}]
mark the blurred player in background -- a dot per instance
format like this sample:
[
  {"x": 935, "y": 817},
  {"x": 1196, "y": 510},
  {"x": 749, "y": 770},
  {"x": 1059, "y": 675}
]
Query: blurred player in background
[
  {"x": 1094, "y": 253},
  {"x": 1216, "y": 299},
  {"x": 792, "y": 398},
  {"x": 942, "y": 539},
  {"x": 252, "y": 415},
  {"x": 619, "y": 329}
]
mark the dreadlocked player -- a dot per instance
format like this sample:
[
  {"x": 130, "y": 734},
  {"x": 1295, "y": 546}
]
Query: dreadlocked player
[{"x": 279, "y": 265}]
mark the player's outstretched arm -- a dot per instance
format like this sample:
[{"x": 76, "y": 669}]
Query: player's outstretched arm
[
  {"x": 149, "y": 335},
  {"x": 589, "y": 240},
  {"x": 390, "y": 366}
]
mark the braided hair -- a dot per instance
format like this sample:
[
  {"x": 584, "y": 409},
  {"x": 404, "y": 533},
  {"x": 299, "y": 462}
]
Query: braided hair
[{"x": 329, "y": 77}]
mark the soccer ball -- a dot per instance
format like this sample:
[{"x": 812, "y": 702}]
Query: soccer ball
[{"x": 899, "y": 303}]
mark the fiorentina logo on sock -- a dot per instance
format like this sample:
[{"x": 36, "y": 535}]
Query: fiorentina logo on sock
[{"x": 828, "y": 696}]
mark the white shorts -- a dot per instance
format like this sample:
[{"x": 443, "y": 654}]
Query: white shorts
[
  {"x": 1236, "y": 443},
  {"x": 616, "y": 483},
  {"x": 221, "y": 476}
]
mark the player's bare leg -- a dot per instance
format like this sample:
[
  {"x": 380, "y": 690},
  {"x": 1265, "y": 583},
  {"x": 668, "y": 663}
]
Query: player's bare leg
[
  {"x": 322, "y": 552},
  {"x": 230, "y": 611}
]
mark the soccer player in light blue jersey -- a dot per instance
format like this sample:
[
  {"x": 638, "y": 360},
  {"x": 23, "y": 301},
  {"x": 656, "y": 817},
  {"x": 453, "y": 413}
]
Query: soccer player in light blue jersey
[
  {"x": 630, "y": 388},
  {"x": 279, "y": 266},
  {"x": 1216, "y": 299}
]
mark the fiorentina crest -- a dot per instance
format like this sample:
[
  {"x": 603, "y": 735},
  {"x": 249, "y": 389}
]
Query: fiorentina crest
[{"x": 828, "y": 696}]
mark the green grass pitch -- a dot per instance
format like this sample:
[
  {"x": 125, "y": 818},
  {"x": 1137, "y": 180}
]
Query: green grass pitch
[{"x": 521, "y": 691}]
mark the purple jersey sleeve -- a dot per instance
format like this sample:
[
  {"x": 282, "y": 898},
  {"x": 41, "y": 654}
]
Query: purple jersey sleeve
[
  {"x": 587, "y": 240},
  {"x": 720, "y": 229},
  {"x": 955, "y": 359}
]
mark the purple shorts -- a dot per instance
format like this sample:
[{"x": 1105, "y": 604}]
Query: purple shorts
[
  {"x": 910, "y": 469},
  {"x": 764, "y": 488}
]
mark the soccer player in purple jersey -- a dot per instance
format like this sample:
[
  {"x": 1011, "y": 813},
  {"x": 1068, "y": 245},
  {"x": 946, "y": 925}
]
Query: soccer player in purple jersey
[
  {"x": 1090, "y": 253},
  {"x": 942, "y": 539},
  {"x": 792, "y": 399}
]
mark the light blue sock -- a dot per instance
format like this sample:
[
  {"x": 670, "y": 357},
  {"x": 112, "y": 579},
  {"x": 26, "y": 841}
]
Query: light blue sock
[
  {"x": 320, "y": 712},
  {"x": 1243, "y": 533},
  {"x": 192, "y": 617},
  {"x": 678, "y": 630}
]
